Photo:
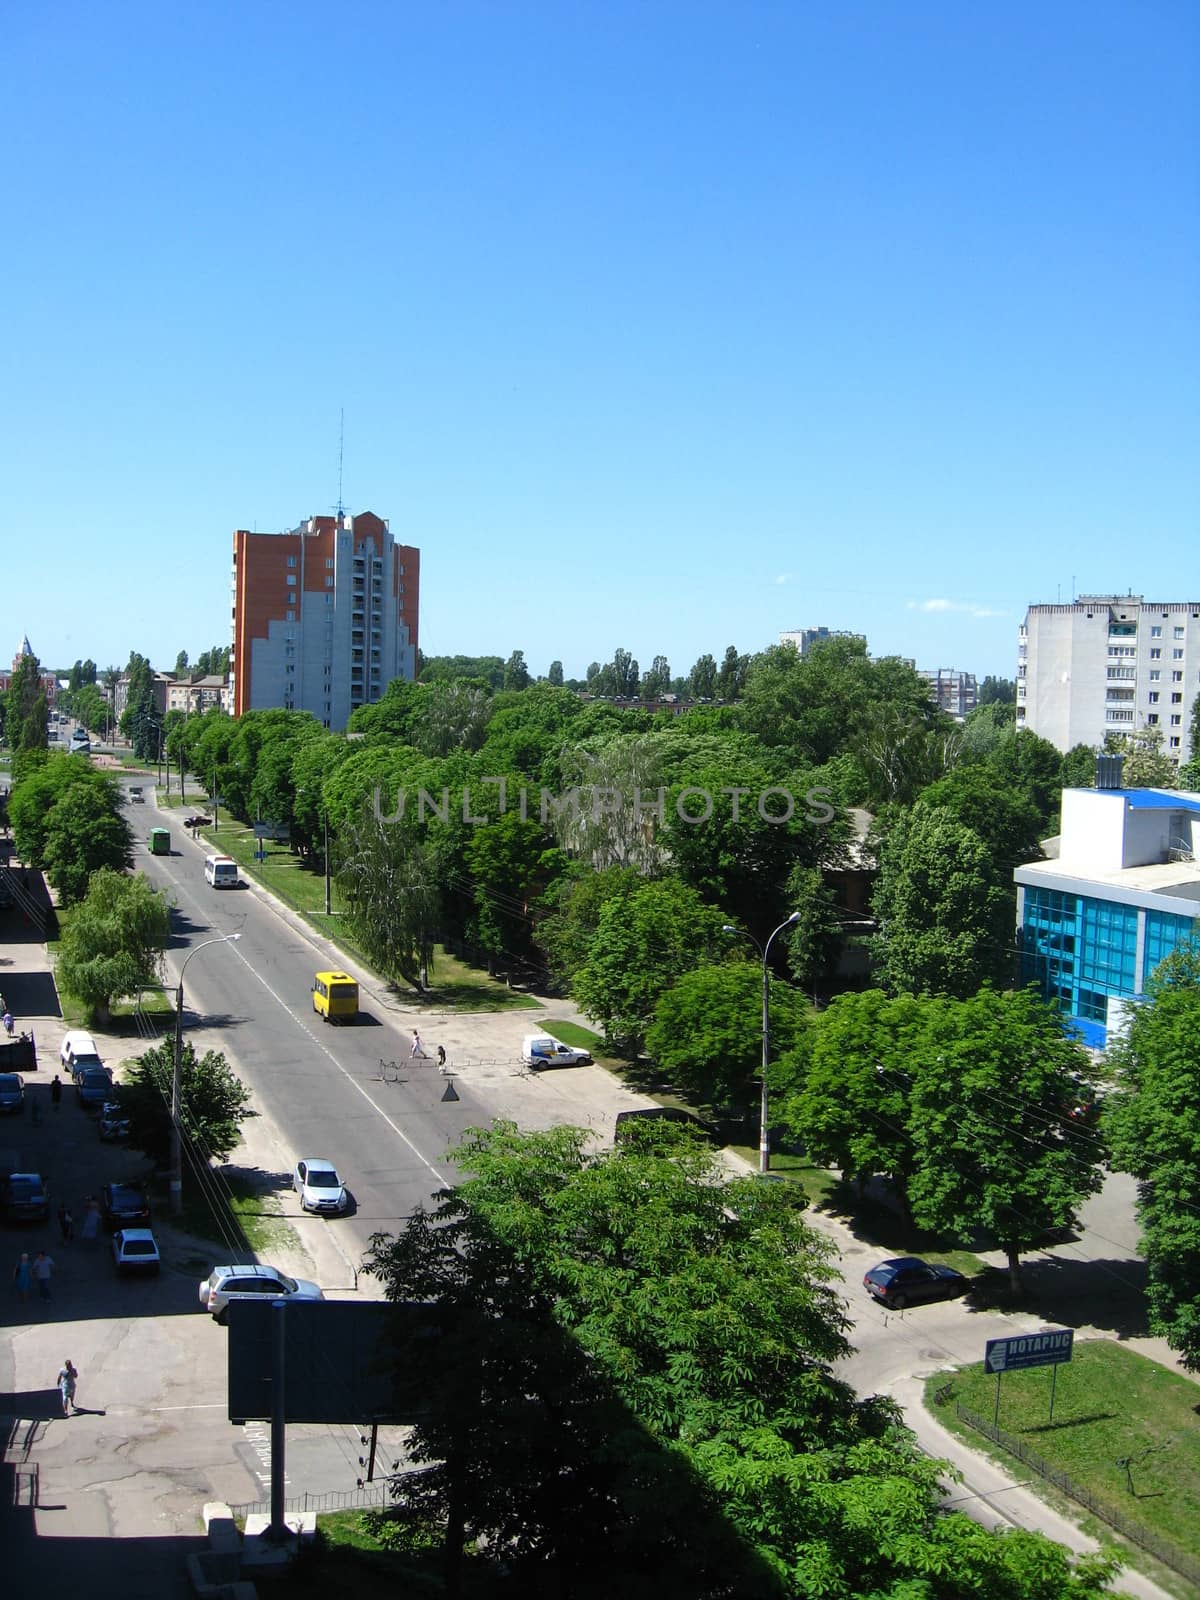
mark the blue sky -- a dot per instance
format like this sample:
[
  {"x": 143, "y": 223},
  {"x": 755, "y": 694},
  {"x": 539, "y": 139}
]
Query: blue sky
[{"x": 664, "y": 326}]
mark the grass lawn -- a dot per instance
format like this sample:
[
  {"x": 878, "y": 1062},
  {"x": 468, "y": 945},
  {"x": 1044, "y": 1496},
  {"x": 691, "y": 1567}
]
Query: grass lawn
[
  {"x": 348, "y": 1559},
  {"x": 1111, "y": 1405},
  {"x": 230, "y": 1208},
  {"x": 580, "y": 1038}
]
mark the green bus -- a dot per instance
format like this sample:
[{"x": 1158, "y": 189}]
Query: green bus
[{"x": 160, "y": 841}]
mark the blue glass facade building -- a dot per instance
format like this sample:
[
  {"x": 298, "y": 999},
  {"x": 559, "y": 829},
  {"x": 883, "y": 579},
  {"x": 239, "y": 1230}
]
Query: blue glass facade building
[{"x": 1122, "y": 895}]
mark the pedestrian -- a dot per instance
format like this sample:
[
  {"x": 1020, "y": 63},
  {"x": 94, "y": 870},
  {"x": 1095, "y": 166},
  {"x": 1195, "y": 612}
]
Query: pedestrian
[
  {"x": 441, "y": 1058},
  {"x": 68, "y": 1377},
  {"x": 23, "y": 1276},
  {"x": 56, "y": 1092},
  {"x": 66, "y": 1224},
  {"x": 91, "y": 1219},
  {"x": 416, "y": 1046},
  {"x": 9, "y": 1022},
  {"x": 43, "y": 1268}
]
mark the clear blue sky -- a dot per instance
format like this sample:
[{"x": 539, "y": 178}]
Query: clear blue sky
[{"x": 663, "y": 325}]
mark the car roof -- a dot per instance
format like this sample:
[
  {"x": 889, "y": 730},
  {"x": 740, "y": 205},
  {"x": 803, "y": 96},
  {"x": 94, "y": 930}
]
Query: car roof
[
  {"x": 316, "y": 1164},
  {"x": 901, "y": 1263},
  {"x": 25, "y": 1177},
  {"x": 74, "y": 1036},
  {"x": 126, "y": 1183},
  {"x": 13, "y": 1078},
  {"x": 136, "y": 1233},
  {"x": 249, "y": 1272}
]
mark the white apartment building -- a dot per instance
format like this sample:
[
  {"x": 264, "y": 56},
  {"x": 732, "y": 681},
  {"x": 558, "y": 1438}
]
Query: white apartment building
[{"x": 1109, "y": 664}]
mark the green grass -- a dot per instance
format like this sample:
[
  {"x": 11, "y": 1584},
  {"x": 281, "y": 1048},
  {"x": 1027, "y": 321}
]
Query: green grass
[
  {"x": 581, "y": 1038},
  {"x": 230, "y": 1208},
  {"x": 1110, "y": 1404},
  {"x": 455, "y": 984},
  {"x": 346, "y": 1558}
]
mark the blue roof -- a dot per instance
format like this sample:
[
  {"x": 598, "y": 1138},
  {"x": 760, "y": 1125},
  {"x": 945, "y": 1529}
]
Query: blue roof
[{"x": 1161, "y": 800}]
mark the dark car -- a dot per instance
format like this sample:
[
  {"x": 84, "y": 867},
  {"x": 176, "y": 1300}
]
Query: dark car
[
  {"x": 12, "y": 1091},
  {"x": 24, "y": 1198},
  {"x": 907, "y": 1280},
  {"x": 124, "y": 1205},
  {"x": 93, "y": 1088}
]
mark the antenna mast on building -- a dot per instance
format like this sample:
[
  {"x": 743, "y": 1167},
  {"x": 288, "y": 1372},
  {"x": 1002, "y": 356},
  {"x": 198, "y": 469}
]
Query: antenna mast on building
[{"x": 341, "y": 441}]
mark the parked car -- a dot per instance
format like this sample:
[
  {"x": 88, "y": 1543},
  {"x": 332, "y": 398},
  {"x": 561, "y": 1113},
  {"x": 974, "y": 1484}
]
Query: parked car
[
  {"x": 197, "y": 820},
  {"x": 81, "y": 1064},
  {"x": 224, "y": 1284},
  {"x": 319, "y": 1187},
  {"x": 12, "y": 1091},
  {"x": 541, "y": 1050},
  {"x": 124, "y": 1205},
  {"x": 113, "y": 1123},
  {"x": 907, "y": 1280},
  {"x": 135, "y": 1250},
  {"x": 94, "y": 1088},
  {"x": 77, "y": 1041},
  {"x": 24, "y": 1197}
]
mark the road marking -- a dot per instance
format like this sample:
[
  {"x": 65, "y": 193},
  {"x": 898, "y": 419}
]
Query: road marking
[{"x": 325, "y": 1051}]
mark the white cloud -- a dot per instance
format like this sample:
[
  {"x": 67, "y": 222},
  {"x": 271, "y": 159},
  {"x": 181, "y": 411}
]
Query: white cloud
[
  {"x": 966, "y": 607},
  {"x": 784, "y": 577}
]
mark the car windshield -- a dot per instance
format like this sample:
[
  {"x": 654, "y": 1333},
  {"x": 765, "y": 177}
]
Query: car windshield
[
  {"x": 323, "y": 1180},
  {"x": 94, "y": 1078},
  {"x": 123, "y": 1195},
  {"x": 25, "y": 1188},
  {"x": 138, "y": 1247}
]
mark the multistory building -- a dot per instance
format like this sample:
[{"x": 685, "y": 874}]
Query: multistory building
[
  {"x": 1110, "y": 664},
  {"x": 324, "y": 616},
  {"x": 1122, "y": 893},
  {"x": 804, "y": 638},
  {"x": 951, "y": 690}
]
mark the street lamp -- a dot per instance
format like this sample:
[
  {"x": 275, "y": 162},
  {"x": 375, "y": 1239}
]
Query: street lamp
[
  {"x": 176, "y": 1174},
  {"x": 764, "y": 1133}
]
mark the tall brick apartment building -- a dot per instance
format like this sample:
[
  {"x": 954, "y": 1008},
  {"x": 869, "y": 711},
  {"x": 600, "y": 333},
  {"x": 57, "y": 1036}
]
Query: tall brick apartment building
[{"x": 324, "y": 616}]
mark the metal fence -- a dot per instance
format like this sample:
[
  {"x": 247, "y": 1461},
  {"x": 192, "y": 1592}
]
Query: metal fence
[
  {"x": 370, "y": 1495},
  {"x": 1153, "y": 1543}
]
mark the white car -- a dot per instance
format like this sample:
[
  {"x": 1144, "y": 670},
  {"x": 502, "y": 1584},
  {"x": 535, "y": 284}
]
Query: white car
[
  {"x": 319, "y": 1187},
  {"x": 76, "y": 1042},
  {"x": 135, "y": 1250},
  {"x": 224, "y": 1284},
  {"x": 542, "y": 1050}
]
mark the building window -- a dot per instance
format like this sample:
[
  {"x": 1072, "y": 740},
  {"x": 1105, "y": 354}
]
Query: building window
[
  {"x": 329, "y": 563},
  {"x": 1177, "y": 699},
  {"x": 329, "y": 582},
  {"x": 328, "y": 599},
  {"x": 1174, "y": 744},
  {"x": 1177, "y": 677},
  {"x": 1153, "y": 698},
  {"x": 291, "y": 578},
  {"x": 1155, "y": 675},
  {"x": 1175, "y": 721},
  {"x": 291, "y": 616},
  {"x": 291, "y": 561},
  {"x": 1156, "y": 632},
  {"x": 1152, "y": 719},
  {"x": 1123, "y": 650},
  {"x": 1179, "y": 633},
  {"x": 1156, "y": 655}
]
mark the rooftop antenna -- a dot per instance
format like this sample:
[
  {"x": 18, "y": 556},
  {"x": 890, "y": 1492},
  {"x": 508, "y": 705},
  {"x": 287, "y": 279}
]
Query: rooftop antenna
[{"x": 341, "y": 441}]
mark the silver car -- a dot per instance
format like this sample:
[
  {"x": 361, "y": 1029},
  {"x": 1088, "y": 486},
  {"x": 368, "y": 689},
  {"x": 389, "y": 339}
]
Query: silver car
[
  {"x": 224, "y": 1284},
  {"x": 319, "y": 1187}
]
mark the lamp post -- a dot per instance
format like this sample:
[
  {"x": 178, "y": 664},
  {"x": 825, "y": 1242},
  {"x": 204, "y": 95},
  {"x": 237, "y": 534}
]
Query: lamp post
[
  {"x": 176, "y": 1176},
  {"x": 764, "y": 1130},
  {"x": 325, "y": 825}
]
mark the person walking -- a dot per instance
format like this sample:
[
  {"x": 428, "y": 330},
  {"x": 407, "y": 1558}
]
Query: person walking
[
  {"x": 66, "y": 1224},
  {"x": 441, "y": 1058},
  {"x": 23, "y": 1277},
  {"x": 10, "y": 1023},
  {"x": 91, "y": 1219},
  {"x": 43, "y": 1269},
  {"x": 416, "y": 1046},
  {"x": 68, "y": 1377},
  {"x": 56, "y": 1092}
]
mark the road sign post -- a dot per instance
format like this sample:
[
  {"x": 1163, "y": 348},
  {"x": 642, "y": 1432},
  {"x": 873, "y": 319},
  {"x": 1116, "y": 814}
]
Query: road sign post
[{"x": 1049, "y": 1348}]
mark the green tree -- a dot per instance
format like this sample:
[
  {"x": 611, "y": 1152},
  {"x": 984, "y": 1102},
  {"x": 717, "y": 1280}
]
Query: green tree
[
  {"x": 26, "y": 716},
  {"x": 516, "y": 673},
  {"x": 389, "y": 885},
  {"x": 569, "y": 914},
  {"x": 1079, "y": 767},
  {"x": 656, "y": 680},
  {"x": 555, "y": 674},
  {"x": 999, "y": 1122},
  {"x": 1007, "y": 822},
  {"x": 510, "y": 863},
  {"x": 1153, "y": 1125},
  {"x": 83, "y": 834},
  {"x": 1146, "y": 765},
  {"x": 997, "y": 691},
  {"x": 1031, "y": 766},
  {"x": 112, "y": 944},
  {"x": 707, "y": 1032},
  {"x": 642, "y": 944},
  {"x": 731, "y": 677},
  {"x": 702, "y": 680},
  {"x": 944, "y": 925},
  {"x": 815, "y": 943},
  {"x": 849, "y": 1104},
  {"x": 213, "y": 1103},
  {"x": 454, "y": 717},
  {"x": 181, "y": 664}
]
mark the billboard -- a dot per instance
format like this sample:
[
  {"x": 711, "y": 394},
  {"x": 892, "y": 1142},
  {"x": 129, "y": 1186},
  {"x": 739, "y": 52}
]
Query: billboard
[
  {"x": 344, "y": 1360},
  {"x": 1047, "y": 1349}
]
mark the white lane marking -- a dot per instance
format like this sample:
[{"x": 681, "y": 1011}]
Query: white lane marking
[{"x": 325, "y": 1051}]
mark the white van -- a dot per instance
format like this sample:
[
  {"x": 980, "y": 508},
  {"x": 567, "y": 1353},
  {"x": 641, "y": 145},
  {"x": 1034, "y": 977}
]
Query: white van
[
  {"x": 221, "y": 872},
  {"x": 540, "y": 1050}
]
